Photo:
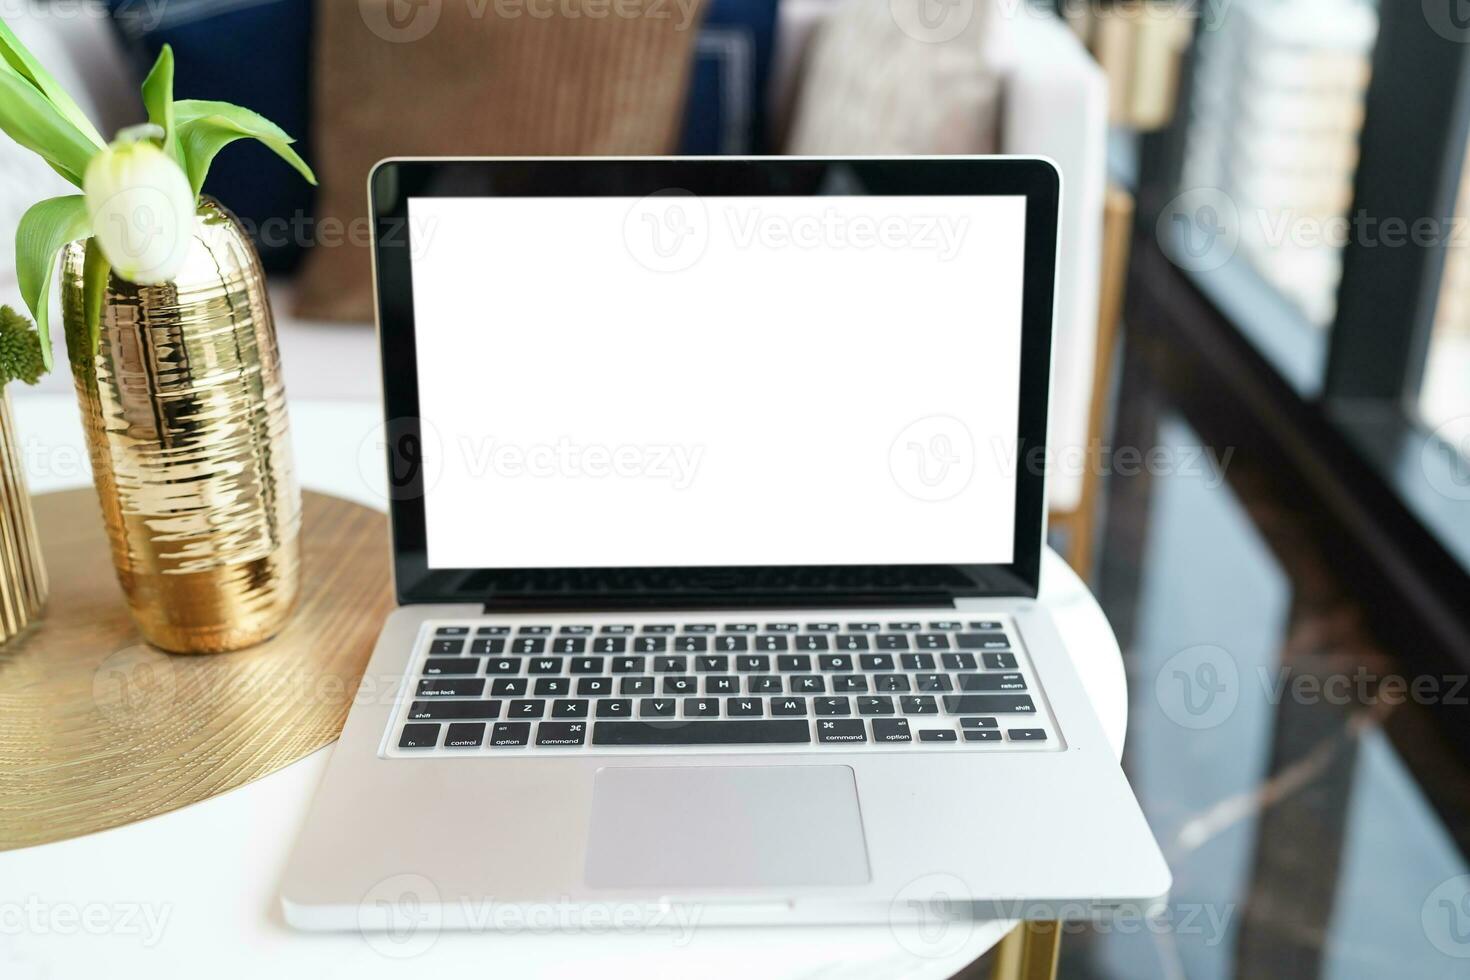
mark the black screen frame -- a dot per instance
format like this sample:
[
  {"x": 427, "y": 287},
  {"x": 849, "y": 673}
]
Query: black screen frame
[{"x": 393, "y": 182}]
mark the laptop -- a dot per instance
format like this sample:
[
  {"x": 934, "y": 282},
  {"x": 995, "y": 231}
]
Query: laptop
[{"x": 717, "y": 522}]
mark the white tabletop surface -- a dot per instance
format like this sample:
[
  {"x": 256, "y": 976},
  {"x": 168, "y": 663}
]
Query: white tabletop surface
[{"x": 195, "y": 890}]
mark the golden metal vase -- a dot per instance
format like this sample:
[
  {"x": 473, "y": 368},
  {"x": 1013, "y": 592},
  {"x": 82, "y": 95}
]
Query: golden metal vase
[
  {"x": 185, "y": 413},
  {"x": 22, "y": 575}
]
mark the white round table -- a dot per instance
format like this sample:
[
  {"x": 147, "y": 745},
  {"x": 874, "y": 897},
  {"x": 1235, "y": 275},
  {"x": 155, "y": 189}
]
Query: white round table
[{"x": 194, "y": 891}]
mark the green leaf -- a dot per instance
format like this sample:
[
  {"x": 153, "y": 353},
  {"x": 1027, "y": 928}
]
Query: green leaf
[
  {"x": 44, "y": 231},
  {"x": 158, "y": 99},
  {"x": 95, "y": 275},
  {"x": 30, "y": 119},
  {"x": 205, "y": 128},
  {"x": 25, "y": 64}
]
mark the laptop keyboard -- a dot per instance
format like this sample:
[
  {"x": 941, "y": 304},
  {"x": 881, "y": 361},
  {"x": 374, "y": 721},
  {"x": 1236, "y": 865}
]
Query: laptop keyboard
[{"x": 478, "y": 688}]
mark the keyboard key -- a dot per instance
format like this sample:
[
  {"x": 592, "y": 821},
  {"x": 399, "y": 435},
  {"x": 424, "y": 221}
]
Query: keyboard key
[
  {"x": 863, "y": 627},
  {"x": 610, "y": 644},
  {"x": 978, "y": 723},
  {"x": 752, "y": 664},
  {"x": 905, "y": 627},
  {"x": 852, "y": 643},
  {"x": 419, "y": 737},
  {"x": 691, "y": 644},
  {"x": 615, "y": 708},
  {"x": 741, "y": 628},
  {"x": 712, "y": 664},
  {"x": 588, "y": 665},
  {"x": 561, "y": 733},
  {"x": 732, "y": 644},
  {"x": 671, "y": 665},
  {"x": 570, "y": 708},
  {"x": 850, "y": 682},
  {"x": 701, "y": 707},
  {"x": 918, "y": 704},
  {"x": 891, "y": 730},
  {"x": 764, "y": 684},
  {"x": 453, "y": 710},
  {"x": 446, "y": 647},
  {"x": 635, "y": 685},
  {"x": 794, "y": 662},
  {"x": 835, "y": 661},
  {"x": 720, "y": 732},
  {"x": 947, "y": 624},
  {"x": 679, "y": 684},
  {"x": 932, "y": 682},
  {"x": 545, "y": 665},
  {"x": 832, "y": 706},
  {"x": 999, "y": 661},
  {"x": 875, "y": 705},
  {"x": 465, "y": 735},
  {"x": 593, "y": 687},
  {"x": 841, "y": 731},
  {"x": 659, "y": 628},
  {"x": 876, "y": 661},
  {"x": 890, "y": 682},
  {"x": 569, "y": 644},
  {"x": 781, "y": 627},
  {"x": 703, "y": 628},
  {"x": 982, "y": 734},
  {"x": 812, "y": 642},
  {"x": 651, "y": 644},
  {"x": 528, "y": 644},
  {"x": 788, "y": 706},
  {"x": 435, "y": 667},
  {"x": 721, "y": 684},
  {"x": 656, "y": 707},
  {"x": 893, "y": 641},
  {"x": 932, "y": 641},
  {"x": 1026, "y": 734},
  {"x": 988, "y": 704},
  {"x": 451, "y": 687},
  {"x": 770, "y": 644},
  {"x": 546, "y": 686},
  {"x": 958, "y": 661},
  {"x": 992, "y": 682},
  {"x": 452, "y": 631},
  {"x": 982, "y": 641},
  {"x": 534, "y": 631},
  {"x": 619, "y": 629},
  {"x": 508, "y": 686},
  {"x": 507, "y": 733},
  {"x": 503, "y": 665},
  {"x": 493, "y": 631},
  {"x": 575, "y": 630},
  {"x": 937, "y": 735},
  {"x": 743, "y": 707},
  {"x": 487, "y": 646},
  {"x": 917, "y": 661},
  {"x": 629, "y": 665},
  {"x": 988, "y": 625},
  {"x": 526, "y": 709},
  {"x": 808, "y": 684}
]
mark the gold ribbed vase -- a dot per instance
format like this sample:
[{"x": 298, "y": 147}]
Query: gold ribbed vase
[
  {"x": 185, "y": 414},
  {"x": 22, "y": 575}
]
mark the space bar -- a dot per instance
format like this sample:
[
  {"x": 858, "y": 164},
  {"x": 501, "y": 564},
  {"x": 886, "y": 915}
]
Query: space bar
[{"x": 699, "y": 732}]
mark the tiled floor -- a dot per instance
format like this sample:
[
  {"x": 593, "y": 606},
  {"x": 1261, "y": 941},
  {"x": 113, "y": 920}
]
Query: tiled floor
[{"x": 1292, "y": 799}]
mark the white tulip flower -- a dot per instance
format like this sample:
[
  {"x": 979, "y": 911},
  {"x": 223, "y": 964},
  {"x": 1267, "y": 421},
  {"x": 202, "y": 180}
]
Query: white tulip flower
[{"x": 141, "y": 206}]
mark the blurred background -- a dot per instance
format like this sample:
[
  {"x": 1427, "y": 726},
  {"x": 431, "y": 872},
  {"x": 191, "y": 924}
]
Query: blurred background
[{"x": 1261, "y": 429}]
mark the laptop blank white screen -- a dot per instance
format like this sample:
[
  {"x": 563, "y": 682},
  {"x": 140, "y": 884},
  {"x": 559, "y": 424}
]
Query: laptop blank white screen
[{"x": 676, "y": 381}]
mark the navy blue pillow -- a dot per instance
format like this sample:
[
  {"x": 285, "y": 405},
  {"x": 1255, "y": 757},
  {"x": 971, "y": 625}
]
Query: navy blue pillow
[
  {"x": 254, "y": 53},
  {"x": 726, "y": 111}
]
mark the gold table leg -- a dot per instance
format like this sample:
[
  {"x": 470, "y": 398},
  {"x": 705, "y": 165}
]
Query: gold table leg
[{"x": 1030, "y": 952}]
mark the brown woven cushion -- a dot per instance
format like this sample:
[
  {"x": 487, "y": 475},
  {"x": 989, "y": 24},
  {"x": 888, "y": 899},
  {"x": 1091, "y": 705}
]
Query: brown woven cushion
[{"x": 490, "y": 77}]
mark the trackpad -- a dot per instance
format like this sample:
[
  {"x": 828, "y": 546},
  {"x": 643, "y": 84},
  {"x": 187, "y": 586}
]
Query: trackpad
[{"x": 726, "y": 827}]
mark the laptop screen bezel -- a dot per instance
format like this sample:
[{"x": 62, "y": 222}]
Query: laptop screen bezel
[{"x": 394, "y": 182}]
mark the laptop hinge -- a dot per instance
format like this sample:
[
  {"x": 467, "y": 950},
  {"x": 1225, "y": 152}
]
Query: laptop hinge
[{"x": 602, "y": 602}]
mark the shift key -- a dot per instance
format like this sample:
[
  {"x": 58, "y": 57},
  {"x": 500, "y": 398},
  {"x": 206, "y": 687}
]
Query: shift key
[{"x": 988, "y": 704}]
